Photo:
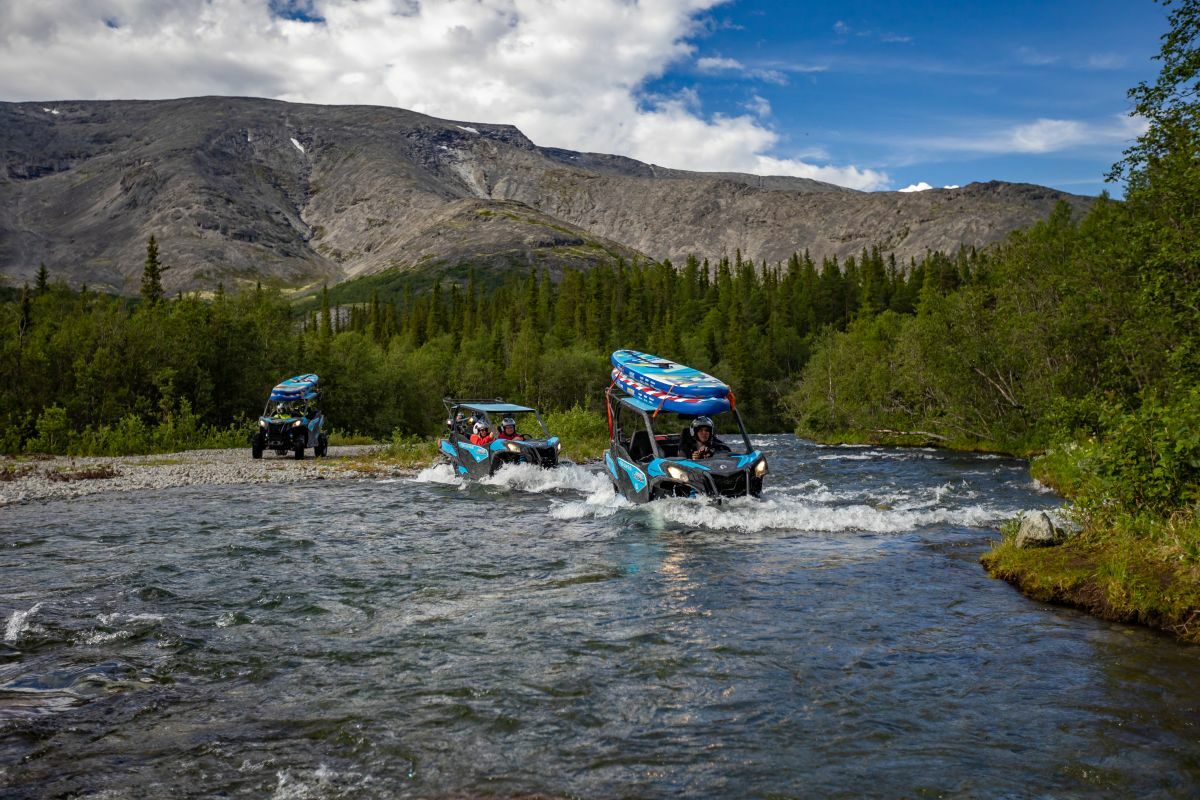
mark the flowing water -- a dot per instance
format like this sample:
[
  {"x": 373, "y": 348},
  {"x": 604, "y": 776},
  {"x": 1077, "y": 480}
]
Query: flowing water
[{"x": 536, "y": 635}]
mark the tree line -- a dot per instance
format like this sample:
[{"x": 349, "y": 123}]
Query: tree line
[{"x": 85, "y": 362}]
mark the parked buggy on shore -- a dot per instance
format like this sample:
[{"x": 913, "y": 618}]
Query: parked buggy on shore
[
  {"x": 516, "y": 434},
  {"x": 292, "y": 420}
]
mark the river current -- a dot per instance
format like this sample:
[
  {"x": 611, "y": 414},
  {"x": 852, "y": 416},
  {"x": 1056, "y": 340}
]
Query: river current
[{"x": 535, "y": 635}]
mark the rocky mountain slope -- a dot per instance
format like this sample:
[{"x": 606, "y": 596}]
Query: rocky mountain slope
[{"x": 239, "y": 188}]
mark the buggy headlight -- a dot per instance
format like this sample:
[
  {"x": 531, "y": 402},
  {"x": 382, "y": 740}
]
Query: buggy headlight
[
  {"x": 558, "y": 447},
  {"x": 262, "y": 423},
  {"x": 677, "y": 473},
  {"x": 760, "y": 468},
  {"x": 297, "y": 423},
  {"x": 512, "y": 447}
]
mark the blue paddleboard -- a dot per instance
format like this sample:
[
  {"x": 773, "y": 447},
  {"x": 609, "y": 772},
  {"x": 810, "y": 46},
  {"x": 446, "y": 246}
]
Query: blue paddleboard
[
  {"x": 693, "y": 406},
  {"x": 301, "y": 386},
  {"x": 666, "y": 376}
]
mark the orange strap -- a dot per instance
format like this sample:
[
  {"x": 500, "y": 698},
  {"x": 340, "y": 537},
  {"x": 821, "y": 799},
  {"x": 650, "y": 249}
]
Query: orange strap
[
  {"x": 732, "y": 400},
  {"x": 608, "y": 407}
]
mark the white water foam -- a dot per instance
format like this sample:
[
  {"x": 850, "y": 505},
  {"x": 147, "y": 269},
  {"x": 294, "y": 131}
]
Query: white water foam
[
  {"x": 602, "y": 503},
  {"x": 438, "y": 473},
  {"x": 525, "y": 478},
  {"x": 791, "y": 513},
  {"x": 127, "y": 625},
  {"x": 305, "y": 784},
  {"x": 530, "y": 478},
  {"x": 18, "y": 623}
]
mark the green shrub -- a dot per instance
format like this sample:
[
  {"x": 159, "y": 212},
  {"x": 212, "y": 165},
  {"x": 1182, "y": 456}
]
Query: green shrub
[
  {"x": 1150, "y": 458},
  {"x": 409, "y": 450},
  {"x": 53, "y": 432},
  {"x": 584, "y": 434}
]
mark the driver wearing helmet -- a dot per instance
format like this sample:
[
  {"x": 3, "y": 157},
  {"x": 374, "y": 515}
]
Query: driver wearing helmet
[
  {"x": 482, "y": 435},
  {"x": 704, "y": 443},
  {"x": 508, "y": 430}
]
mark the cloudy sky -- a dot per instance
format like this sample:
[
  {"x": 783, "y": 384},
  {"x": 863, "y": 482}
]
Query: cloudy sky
[{"x": 873, "y": 94}]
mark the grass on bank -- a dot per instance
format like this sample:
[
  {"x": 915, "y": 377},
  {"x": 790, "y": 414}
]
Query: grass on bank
[
  {"x": 1125, "y": 565},
  {"x": 1129, "y": 568}
]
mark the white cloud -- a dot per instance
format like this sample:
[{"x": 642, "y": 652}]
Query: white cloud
[
  {"x": 1035, "y": 58},
  {"x": 1044, "y": 136},
  {"x": 569, "y": 74},
  {"x": 714, "y": 64},
  {"x": 759, "y": 106},
  {"x": 922, "y": 186},
  {"x": 1105, "y": 61}
]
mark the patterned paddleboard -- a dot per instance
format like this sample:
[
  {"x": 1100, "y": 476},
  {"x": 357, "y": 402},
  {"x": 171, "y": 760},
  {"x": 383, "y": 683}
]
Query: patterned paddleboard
[
  {"x": 693, "y": 406},
  {"x": 666, "y": 376},
  {"x": 295, "y": 388}
]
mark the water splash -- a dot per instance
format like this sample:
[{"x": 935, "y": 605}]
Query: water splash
[
  {"x": 569, "y": 477},
  {"x": 794, "y": 513},
  {"x": 18, "y": 623}
]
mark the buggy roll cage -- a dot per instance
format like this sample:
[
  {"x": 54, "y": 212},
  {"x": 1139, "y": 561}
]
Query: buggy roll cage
[
  {"x": 615, "y": 396},
  {"x": 479, "y": 405}
]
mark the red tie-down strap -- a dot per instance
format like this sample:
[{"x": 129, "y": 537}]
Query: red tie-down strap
[{"x": 608, "y": 407}]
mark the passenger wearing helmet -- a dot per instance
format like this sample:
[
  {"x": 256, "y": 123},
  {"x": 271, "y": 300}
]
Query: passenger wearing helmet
[
  {"x": 483, "y": 434},
  {"x": 508, "y": 430},
  {"x": 704, "y": 443}
]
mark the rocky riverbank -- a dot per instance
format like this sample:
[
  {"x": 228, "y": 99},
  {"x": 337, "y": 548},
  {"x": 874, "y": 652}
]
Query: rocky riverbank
[{"x": 61, "y": 477}]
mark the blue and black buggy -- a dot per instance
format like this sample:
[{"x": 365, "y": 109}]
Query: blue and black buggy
[
  {"x": 479, "y": 461},
  {"x": 676, "y": 437},
  {"x": 292, "y": 420}
]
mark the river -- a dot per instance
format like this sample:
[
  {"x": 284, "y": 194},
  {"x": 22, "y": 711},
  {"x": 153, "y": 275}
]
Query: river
[{"x": 535, "y": 635}]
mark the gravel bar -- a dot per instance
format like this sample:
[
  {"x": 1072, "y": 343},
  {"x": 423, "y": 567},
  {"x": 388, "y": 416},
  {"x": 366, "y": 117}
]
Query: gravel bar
[{"x": 29, "y": 479}]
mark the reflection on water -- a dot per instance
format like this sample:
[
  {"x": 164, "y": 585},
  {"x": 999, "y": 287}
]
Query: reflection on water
[{"x": 535, "y": 634}]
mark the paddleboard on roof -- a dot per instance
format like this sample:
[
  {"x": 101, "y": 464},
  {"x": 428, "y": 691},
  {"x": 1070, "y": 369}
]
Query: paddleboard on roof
[
  {"x": 664, "y": 375},
  {"x": 299, "y": 387},
  {"x": 660, "y": 400}
]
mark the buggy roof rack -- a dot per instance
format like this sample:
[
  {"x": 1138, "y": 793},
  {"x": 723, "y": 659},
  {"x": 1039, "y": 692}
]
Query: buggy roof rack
[{"x": 493, "y": 405}]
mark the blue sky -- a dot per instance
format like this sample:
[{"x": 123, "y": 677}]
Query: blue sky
[
  {"x": 937, "y": 92},
  {"x": 873, "y": 95}
]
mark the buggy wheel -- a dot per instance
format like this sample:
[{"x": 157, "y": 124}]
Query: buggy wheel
[
  {"x": 256, "y": 446},
  {"x": 299, "y": 451},
  {"x": 322, "y": 446}
]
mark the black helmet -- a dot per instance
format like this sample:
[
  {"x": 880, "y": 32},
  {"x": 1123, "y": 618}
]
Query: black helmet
[{"x": 702, "y": 422}]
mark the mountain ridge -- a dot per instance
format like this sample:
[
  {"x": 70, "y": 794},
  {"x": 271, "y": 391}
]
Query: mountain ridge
[{"x": 249, "y": 189}]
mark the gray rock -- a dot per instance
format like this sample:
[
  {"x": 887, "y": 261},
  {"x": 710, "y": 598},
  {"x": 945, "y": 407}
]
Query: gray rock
[{"x": 1037, "y": 530}]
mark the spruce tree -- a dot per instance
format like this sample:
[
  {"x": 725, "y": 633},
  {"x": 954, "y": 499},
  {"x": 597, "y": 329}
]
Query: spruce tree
[
  {"x": 43, "y": 280},
  {"x": 326, "y": 315},
  {"x": 152, "y": 289}
]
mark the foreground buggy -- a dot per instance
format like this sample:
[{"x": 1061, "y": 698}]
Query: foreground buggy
[
  {"x": 479, "y": 461},
  {"x": 292, "y": 420},
  {"x": 658, "y": 443}
]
